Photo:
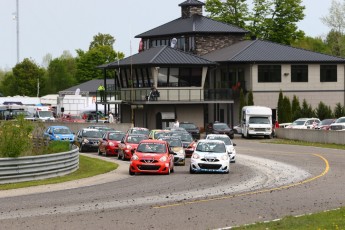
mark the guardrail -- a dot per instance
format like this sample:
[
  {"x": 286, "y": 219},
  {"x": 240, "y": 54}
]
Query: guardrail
[{"x": 13, "y": 170}]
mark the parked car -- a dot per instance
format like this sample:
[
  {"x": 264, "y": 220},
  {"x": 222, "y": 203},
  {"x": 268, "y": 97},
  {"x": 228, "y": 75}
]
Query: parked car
[
  {"x": 110, "y": 143},
  {"x": 152, "y": 156},
  {"x": 102, "y": 128},
  {"x": 191, "y": 128},
  {"x": 304, "y": 123},
  {"x": 139, "y": 130},
  {"x": 59, "y": 133},
  {"x": 325, "y": 124},
  {"x": 128, "y": 143},
  {"x": 338, "y": 125},
  {"x": 230, "y": 146},
  {"x": 88, "y": 139},
  {"x": 219, "y": 128},
  {"x": 176, "y": 147},
  {"x": 210, "y": 156},
  {"x": 284, "y": 125}
]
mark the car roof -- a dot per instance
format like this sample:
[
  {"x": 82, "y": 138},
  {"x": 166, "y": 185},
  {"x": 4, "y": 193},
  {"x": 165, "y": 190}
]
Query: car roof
[
  {"x": 208, "y": 140},
  {"x": 88, "y": 129},
  {"x": 153, "y": 141},
  {"x": 57, "y": 127},
  {"x": 217, "y": 135}
]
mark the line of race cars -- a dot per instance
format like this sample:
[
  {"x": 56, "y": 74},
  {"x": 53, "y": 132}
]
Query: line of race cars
[{"x": 155, "y": 151}]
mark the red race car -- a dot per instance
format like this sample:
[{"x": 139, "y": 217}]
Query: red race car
[
  {"x": 128, "y": 143},
  {"x": 152, "y": 156},
  {"x": 110, "y": 143}
]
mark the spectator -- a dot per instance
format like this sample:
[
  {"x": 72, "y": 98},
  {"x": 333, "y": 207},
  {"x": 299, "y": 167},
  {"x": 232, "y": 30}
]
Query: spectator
[
  {"x": 176, "y": 124},
  {"x": 101, "y": 91},
  {"x": 111, "y": 117}
]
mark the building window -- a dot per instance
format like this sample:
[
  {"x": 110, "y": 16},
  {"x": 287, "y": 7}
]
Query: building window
[
  {"x": 163, "y": 77},
  {"x": 173, "y": 77},
  {"x": 190, "y": 77},
  {"x": 269, "y": 73},
  {"x": 328, "y": 73},
  {"x": 299, "y": 73}
]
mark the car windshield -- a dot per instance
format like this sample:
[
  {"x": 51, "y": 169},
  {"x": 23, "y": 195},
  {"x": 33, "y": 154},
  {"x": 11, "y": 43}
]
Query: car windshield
[
  {"x": 220, "y": 126},
  {"x": 147, "y": 147},
  {"x": 183, "y": 136},
  {"x": 341, "y": 120},
  {"x": 92, "y": 133},
  {"x": 326, "y": 122},
  {"x": 45, "y": 113},
  {"x": 211, "y": 147},
  {"x": 140, "y": 131},
  {"x": 135, "y": 139},
  {"x": 62, "y": 131},
  {"x": 174, "y": 142},
  {"x": 116, "y": 136},
  {"x": 188, "y": 126},
  {"x": 259, "y": 120},
  {"x": 157, "y": 135},
  {"x": 298, "y": 122},
  {"x": 226, "y": 140}
]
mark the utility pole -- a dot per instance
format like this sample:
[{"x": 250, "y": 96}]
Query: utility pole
[{"x": 16, "y": 17}]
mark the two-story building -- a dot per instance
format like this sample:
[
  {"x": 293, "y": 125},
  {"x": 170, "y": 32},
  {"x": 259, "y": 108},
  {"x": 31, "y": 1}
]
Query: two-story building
[{"x": 199, "y": 66}]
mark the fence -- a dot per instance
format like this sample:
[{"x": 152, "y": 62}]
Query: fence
[{"x": 13, "y": 170}]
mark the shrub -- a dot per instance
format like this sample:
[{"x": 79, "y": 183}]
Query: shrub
[{"x": 15, "y": 137}]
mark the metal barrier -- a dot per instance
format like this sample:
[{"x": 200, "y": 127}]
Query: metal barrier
[{"x": 13, "y": 170}]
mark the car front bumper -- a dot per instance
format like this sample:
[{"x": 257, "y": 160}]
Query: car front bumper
[
  {"x": 159, "y": 167},
  {"x": 202, "y": 166}
]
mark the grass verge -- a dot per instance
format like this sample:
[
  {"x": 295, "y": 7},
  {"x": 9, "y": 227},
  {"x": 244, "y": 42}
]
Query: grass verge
[
  {"x": 334, "y": 219},
  {"x": 88, "y": 167}
]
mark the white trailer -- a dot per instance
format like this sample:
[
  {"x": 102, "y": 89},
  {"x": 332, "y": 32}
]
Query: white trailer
[{"x": 256, "y": 121}]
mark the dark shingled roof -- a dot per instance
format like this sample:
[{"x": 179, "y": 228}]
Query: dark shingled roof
[
  {"x": 196, "y": 24},
  {"x": 192, "y": 3},
  {"x": 90, "y": 86},
  {"x": 160, "y": 56},
  {"x": 266, "y": 51}
]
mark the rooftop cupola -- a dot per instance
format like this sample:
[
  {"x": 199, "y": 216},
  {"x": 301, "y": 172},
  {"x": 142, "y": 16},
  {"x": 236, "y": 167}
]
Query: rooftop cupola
[{"x": 191, "y": 7}]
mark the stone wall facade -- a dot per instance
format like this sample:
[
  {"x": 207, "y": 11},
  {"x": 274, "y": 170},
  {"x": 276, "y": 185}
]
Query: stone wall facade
[
  {"x": 188, "y": 11},
  {"x": 210, "y": 42}
]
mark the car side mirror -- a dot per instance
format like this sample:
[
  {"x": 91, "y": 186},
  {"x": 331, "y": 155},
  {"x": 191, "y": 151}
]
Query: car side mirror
[{"x": 133, "y": 151}]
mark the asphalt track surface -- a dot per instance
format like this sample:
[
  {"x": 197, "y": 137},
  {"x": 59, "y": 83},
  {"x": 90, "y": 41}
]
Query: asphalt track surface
[{"x": 267, "y": 182}]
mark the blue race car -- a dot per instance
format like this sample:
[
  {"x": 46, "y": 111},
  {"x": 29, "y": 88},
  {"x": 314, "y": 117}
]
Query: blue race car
[{"x": 59, "y": 133}]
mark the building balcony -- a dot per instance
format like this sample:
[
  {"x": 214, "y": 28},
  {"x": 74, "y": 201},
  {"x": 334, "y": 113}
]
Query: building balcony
[{"x": 142, "y": 95}]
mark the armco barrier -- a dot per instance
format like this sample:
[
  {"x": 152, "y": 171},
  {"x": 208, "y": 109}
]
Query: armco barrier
[
  {"x": 30, "y": 168},
  {"x": 311, "y": 135}
]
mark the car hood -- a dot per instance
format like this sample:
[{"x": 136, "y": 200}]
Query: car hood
[
  {"x": 154, "y": 156},
  {"x": 176, "y": 149}
]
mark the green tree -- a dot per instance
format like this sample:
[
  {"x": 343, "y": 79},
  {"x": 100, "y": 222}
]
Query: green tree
[
  {"x": 230, "y": 11},
  {"x": 335, "y": 42},
  {"x": 101, "y": 51},
  {"x": 339, "y": 110},
  {"x": 323, "y": 111},
  {"x": 287, "y": 110},
  {"x": 314, "y": 44},
  {"x": 8, "y": 85},
  {"x": 242, "y": 104},
  {"x": 336, "y": 18},
  {"x": 60, "y": 74},
  {"x": 280, "y": 107},
  {"x": 250, "y": 98},
  {"x": 306, "y": 110},
  {"x": 26, "y": 76},
  {"x": 295, "y": 108}
]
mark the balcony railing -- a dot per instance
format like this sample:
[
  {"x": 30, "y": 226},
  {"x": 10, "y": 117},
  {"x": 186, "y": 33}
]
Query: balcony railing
[{"x": 141, "y": 95}]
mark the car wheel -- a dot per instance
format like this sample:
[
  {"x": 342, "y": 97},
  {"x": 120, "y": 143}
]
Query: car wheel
[
  {"x": 232, "y": 136},
  {"x": 173, "y": 169},
  {"x": 131, "y": 173},
  {"x": 191, "y": 171},
  {"x": 119, "y": 156},
  {"x": 168, "y": 173},
  {"x": 227, "y": 172},
  {"x": 233, "y": 161}
]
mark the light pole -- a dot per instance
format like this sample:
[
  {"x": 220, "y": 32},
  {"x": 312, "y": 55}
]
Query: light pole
[{"x": 16, "y": 17}]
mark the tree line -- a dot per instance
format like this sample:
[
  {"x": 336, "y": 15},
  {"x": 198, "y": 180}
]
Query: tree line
[{"x": 27, "y": 78}]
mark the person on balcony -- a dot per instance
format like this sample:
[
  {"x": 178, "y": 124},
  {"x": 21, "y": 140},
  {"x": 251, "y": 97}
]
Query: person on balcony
[
  {"x": 154, "y": 94},
  {"x": 101, "y": 91}
]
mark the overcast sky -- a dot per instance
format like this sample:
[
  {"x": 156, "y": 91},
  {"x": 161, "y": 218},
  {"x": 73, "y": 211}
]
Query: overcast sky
[{"x": 52, "y": 26}]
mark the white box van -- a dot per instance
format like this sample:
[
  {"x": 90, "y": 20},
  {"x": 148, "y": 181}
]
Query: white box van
[{"x": 256, "y": 121}]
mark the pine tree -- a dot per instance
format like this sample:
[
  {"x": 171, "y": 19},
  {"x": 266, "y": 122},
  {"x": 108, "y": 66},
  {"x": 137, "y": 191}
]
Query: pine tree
[
  {"x": 250, "y": 98},
  {"x": 280, "y": 107}
]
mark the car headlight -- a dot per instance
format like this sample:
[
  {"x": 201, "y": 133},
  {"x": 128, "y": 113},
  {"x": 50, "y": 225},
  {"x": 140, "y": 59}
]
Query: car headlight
[
  {"x": 225, "y": 157},
  {"x": 111, "y": 144},
  {"x": 129, "y": 147},
  {"x": 57, "y": 137},
  {"x": 163, "y": 158},
  {"x": 195, "y": 156},
  {"x": 268, "y": 129},
  {"x": 86, "y": 141},
  {"x": 180, "y": 152},
  {"x": 251, "y": 128}
]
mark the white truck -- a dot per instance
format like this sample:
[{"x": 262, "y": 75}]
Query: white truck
[
  {"x": 41, "y": 113},
  {"x": 256, "y": 121}
]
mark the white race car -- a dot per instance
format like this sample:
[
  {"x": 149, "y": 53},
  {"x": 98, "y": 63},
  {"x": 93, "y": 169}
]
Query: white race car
[
  {"x": 228, "y": 143},
  {"x": 210, "y": 156}
]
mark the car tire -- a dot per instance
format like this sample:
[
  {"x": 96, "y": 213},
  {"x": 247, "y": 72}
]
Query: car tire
[
  {"x": 118, "y": 156},
  {"x": 131, "y": 173},
  {"x": 232, "y": 136},
  {"x": 191, "y": 171},
  {"x": 173, "y": 170}
]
